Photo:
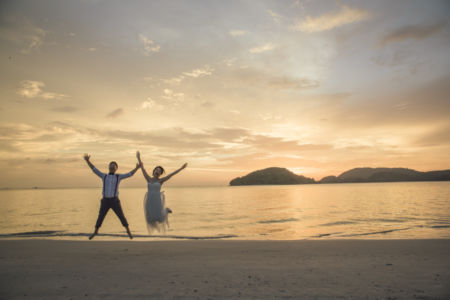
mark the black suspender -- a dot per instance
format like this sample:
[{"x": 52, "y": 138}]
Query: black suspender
[
  {"x": 117, "y": 184},
  {"x": 115, "y": 189},
  {"x": 104, "y": 184}
]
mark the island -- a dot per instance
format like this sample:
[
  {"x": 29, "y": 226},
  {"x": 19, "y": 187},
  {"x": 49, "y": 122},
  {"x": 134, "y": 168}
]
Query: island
[
  {"x": 386, "y": 175},
  {"x": 278, "y": 176},
  {"x": 271, "y": 176}
]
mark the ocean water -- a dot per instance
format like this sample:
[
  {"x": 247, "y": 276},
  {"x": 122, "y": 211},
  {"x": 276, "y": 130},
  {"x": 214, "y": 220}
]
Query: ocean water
[{"x": 406, "y": 210}]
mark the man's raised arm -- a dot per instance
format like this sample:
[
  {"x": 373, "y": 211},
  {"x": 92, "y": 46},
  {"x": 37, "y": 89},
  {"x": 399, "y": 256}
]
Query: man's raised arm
[
  {"x": 94, "y": 169},
  {"x": 131, "y": 173}
]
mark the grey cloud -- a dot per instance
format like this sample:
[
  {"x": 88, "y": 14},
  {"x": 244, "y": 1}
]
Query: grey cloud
[
  {"x": 243, "y": 160},
  {"x": 173, "y": 140},
  {"x": 277, "y": 144},
  {"x": 229, "y": 134},
  {"x": 16, "y": 132},
  {"x": 256, "y": 77},
  {"x": 292, "y": 83},
  {"x": 51, "y": 137},
  {"x": 42, "y": 160},
  {"x": 165, "y": 141},
  {"x": 178, "y": 138},
  {"x": 398, "y": 58},
  {"x": 62, "y": 125},
  {"x": 167, "y": 138},
  {"x": 8, "y": 146},
  {"x": 207, "y": 104},
  {"x": 438, "y": 137},
  {"x": 254, "y": 160},
  {"x": 63, "y": 160},
  {"x": 115, "y": 113},
  {"x": 65, "y": 109},
  {"x": 20, "y": 138},
  {"x": 424, "y": 104},
  {"x": 20, "y": 31},
  {"x": 415, "y": 32},
  {"x": 23, "y": 133}
]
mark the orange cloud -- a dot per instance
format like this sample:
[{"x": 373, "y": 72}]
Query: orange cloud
[{"x": 329, "y": 21}]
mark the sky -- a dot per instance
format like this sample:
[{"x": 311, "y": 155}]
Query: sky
[{"x": 318, "y": 87}]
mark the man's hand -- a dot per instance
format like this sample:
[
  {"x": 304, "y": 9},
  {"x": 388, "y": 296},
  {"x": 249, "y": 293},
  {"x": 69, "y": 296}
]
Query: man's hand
[
  {"x": 138, "y": 155},
  {"x": 86, "y": 158},
  {"x": 138, "y": 165},
  {"x": 184, "y": 166}
]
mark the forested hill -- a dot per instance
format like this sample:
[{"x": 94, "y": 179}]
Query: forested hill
[
  {"x": 271, "y": 176},
  {"x": 283, "y": 176},
  {"x": 386, "y": 175}
]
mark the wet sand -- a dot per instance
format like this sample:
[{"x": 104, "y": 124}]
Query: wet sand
[{"x": 314, "y": 269}]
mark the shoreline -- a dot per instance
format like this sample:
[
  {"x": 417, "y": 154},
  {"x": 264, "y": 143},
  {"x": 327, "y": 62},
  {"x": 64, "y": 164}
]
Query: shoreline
[{"x": 225, "y": 269}]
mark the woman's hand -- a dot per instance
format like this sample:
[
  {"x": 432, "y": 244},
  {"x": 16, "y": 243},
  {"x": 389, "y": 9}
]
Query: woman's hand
[{"x": 184, "y": 166}]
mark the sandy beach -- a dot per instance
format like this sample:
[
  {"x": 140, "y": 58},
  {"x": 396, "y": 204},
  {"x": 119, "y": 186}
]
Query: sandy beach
[{"x": 329, "y": 269}]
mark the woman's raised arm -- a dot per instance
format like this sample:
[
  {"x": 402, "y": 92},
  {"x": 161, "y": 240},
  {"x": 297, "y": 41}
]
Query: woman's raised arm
[
  {"x": 144, "y": 172},
  {"x": 173, "y": 173}
]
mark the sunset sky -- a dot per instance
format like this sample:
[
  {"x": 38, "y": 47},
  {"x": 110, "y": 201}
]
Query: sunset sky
[{"x": 230, "y": 87}]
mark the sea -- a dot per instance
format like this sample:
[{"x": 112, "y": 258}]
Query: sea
[{"x": 396, "y": 210}]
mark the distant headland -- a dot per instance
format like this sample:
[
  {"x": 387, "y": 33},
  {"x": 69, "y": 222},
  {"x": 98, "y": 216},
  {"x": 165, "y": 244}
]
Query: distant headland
[
  {"x": 271, "y": 176},
  {"x": 276, "y": 175}
]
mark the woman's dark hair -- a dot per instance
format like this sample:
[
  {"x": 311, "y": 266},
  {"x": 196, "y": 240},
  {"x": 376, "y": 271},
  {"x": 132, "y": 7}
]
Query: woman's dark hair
[{"x": 162, "y": 169}]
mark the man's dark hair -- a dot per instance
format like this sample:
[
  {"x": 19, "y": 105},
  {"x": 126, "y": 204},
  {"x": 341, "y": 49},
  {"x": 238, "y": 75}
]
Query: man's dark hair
[{"x": 113, "y": 162}]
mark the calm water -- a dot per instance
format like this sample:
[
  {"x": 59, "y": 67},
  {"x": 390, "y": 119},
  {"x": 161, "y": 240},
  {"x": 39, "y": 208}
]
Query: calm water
[{"x": 369, "y": 211}]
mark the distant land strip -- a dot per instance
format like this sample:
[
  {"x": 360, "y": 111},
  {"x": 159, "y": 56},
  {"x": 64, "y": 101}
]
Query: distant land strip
[{"x": 275, "y": 175}]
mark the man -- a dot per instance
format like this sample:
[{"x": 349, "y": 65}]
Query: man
[{"x": 110, "y": 193}]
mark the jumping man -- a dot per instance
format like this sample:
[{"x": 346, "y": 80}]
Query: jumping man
[{"x": 110, "y": 193}]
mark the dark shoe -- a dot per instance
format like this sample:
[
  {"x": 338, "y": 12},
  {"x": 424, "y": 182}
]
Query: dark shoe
[
  {"x": 94, "y": 234},
  {"x": 129, "y": 233}
]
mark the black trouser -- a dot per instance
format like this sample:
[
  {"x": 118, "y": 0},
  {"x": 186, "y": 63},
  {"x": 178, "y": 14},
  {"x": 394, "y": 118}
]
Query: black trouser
[{"x": 105, "y": 205}]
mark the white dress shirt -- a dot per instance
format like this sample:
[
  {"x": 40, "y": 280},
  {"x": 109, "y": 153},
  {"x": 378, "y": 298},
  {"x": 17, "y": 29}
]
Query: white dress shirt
[{"x": 111, "y": 182}]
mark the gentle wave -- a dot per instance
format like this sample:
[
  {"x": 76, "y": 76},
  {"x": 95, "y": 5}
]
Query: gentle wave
[
  {"x": 360, "y": 221},
  {"x": 338, "y": 223},
  {"x": 55, "y": 233},
  {"x": 380, "y": 220},
  {"x": 375, "y": 232},
  {"x": 378, "y": 232},
  {"x": 388, "y": 220},
  {"x": 278, "y": 221},
  {"x": 325, "y": 234}
]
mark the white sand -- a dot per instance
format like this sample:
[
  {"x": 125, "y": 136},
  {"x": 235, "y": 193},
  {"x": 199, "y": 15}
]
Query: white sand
[{"x": 329, "y": 269}]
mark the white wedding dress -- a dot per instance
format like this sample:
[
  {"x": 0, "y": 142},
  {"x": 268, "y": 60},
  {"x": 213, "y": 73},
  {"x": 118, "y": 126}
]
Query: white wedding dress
[{"x": 156, "y": 213}]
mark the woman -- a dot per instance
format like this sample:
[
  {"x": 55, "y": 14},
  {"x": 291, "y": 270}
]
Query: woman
[{"x": 156, "y": 213}]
